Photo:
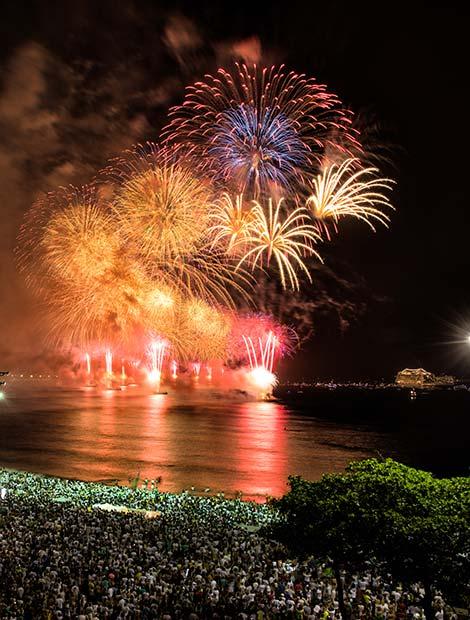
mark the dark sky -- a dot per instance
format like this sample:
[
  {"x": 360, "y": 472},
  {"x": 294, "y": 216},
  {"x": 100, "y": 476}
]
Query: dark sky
[{"x": 82, "y": 80}]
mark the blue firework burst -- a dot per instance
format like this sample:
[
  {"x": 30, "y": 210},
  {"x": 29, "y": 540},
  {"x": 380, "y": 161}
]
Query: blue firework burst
[{"x": 257, "y": 148}]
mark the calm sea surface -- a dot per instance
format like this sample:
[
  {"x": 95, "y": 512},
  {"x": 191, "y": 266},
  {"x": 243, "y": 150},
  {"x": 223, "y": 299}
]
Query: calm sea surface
[{"x": 205, "y": 439}]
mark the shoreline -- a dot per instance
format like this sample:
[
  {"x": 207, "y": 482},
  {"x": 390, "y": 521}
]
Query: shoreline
[
  {"x": 86, "y": 494},
  {"x": 120, "y": 483}
]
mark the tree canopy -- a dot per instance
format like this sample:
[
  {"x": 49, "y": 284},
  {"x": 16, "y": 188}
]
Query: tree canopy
[{"x": 416, "y": 525}]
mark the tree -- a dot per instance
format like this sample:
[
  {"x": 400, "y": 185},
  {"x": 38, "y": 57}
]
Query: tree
[
  {"x": 416, "y": 525},
  {"x": 325, "y": 519}
]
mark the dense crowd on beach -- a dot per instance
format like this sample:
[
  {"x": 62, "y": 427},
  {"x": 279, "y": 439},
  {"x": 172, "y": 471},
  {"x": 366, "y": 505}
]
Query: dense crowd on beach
[{"x": 62, "y": 556}]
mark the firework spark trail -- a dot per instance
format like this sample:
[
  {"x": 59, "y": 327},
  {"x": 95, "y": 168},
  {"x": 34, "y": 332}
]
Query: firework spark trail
[
  {"x": 157, "y": 350},
  {"x": 174, "y": 369},
  {"x": 259, "y": 127},
  {"x": 264, "y": 354},
  {"x": 261, "y": 359},
  {"x": 88, "y": 365},
  {"x": 347, "y": 190},
  {"x": 209, "y": 275},
  {"x": 286, "y": 238},
  {"x": 109, "y": 362}
]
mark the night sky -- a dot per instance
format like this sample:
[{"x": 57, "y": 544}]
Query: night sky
[{"x": 80, "y": 81}]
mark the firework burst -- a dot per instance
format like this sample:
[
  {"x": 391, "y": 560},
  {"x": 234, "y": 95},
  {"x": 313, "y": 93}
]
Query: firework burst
[
  {"x": 347, "y": 190},
  {"x": 72, "y": 255},
  {"x": 286, "y": 238},
  {"x": 206, "y": 331},
  {"x": 68, "y": 236},
  {"x": 161, "y": 207},
  {"x": 110, "y": 310},
  {"x": 163, "y": 212},
  {"x": 230, "y": 223},
  {"x": 258, "y": 129}
]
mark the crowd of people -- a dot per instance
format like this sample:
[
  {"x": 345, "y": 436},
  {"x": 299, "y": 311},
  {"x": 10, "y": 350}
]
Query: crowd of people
[
  {"x": 140, "y": 495},
  {"x": 63, "y": 557}
]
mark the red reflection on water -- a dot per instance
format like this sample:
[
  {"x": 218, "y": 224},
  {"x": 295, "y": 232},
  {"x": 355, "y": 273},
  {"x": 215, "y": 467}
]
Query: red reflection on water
[
  {"x": 262, "y": 450},
  {"x": 98, "y": 433},
  {"x": 154, "y": 440},
  {"x": 107, "y": 421}
]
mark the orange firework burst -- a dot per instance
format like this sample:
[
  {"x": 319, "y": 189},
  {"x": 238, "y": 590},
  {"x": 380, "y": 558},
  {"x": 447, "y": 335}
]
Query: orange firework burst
[
  {"x": 95, "y": 290},
  {"x": 163, "y": 211},
  {"x": 109, "y": 310},
  {"x": 347, "y": 190},
  {"x": 206, "y": 328},
  {"x": 286, "y": 237},
  {"x": 68, "y": 236},
  {"x": 161, "y": 207}
]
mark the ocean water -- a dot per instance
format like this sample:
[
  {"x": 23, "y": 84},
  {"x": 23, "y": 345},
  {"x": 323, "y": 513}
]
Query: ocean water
[{"x": 211, "y": 440}]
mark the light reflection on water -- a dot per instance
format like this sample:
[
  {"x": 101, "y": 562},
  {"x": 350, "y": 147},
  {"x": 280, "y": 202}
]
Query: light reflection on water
[
  {"x": 261, "y": 449},
  {"x": 189, "y": 439}
]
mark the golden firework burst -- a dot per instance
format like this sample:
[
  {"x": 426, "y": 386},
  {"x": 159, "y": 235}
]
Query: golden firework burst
[
  {"x": 348, "y": 190},
  {"x": 230, "y": 222},
  {"x": 286, "y": 237}
]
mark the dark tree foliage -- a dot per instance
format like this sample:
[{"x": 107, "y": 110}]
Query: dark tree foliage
[{"x": 417, "y": 526}]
